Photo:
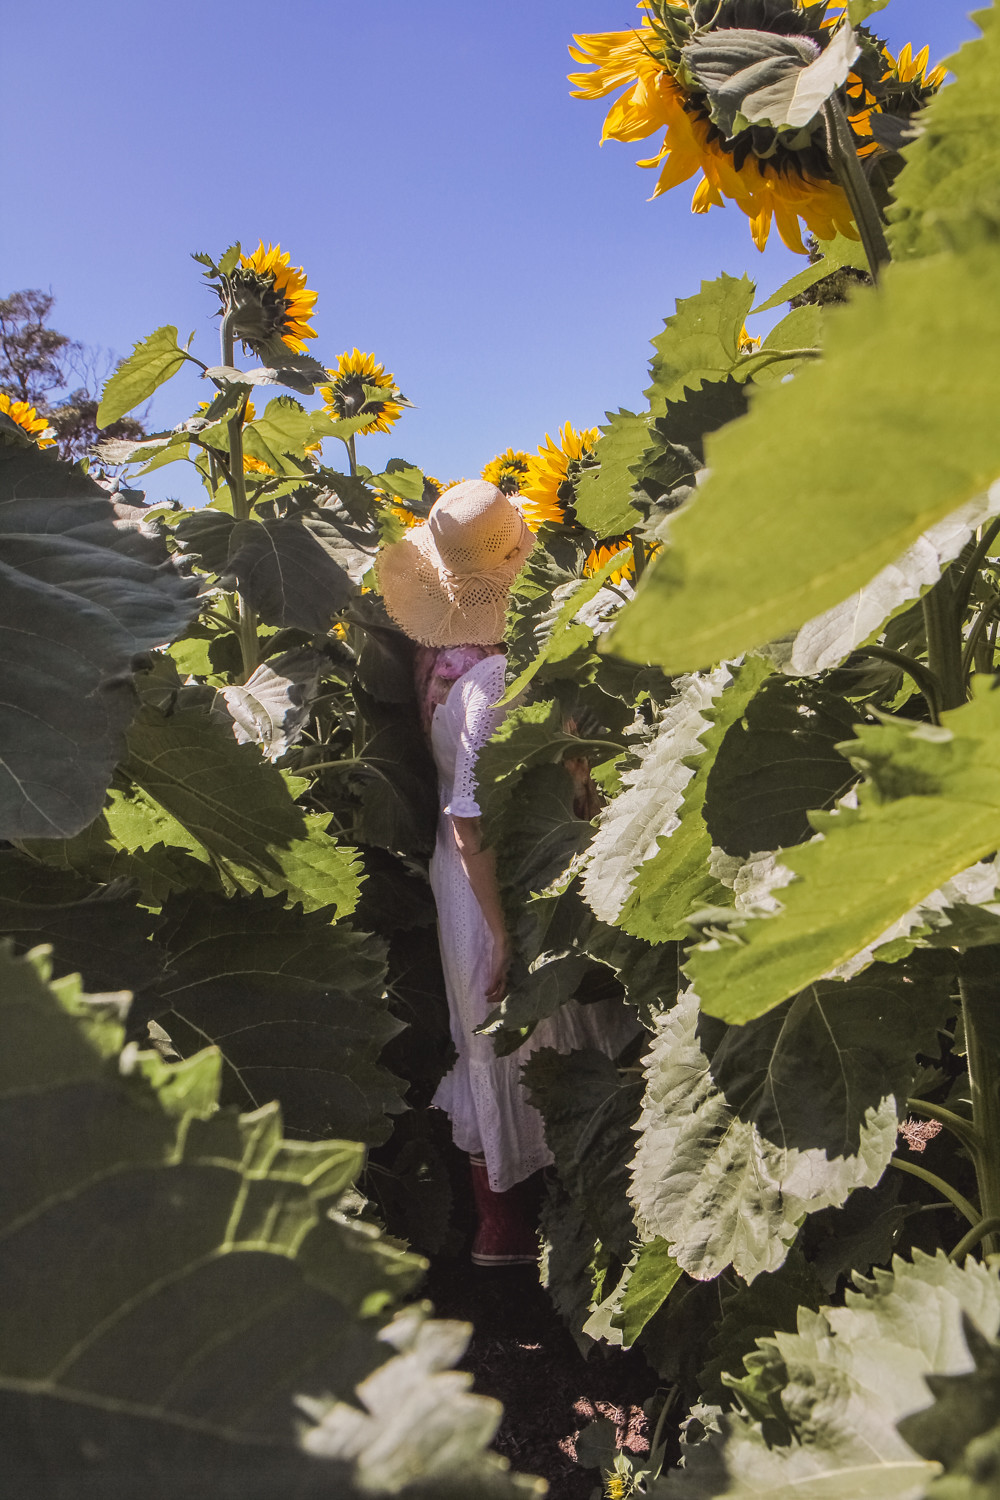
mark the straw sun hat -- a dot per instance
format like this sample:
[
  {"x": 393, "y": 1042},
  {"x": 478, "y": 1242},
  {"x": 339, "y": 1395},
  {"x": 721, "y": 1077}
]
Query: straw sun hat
[{"x": 446, "y": 582}]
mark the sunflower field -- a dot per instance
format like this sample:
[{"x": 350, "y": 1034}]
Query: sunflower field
[{"x": 748, "y": 788}]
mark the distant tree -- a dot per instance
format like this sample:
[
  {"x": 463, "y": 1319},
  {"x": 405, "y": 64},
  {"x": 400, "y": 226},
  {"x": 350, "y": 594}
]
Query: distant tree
[
  {"x": 32, "y": 355},
  {"x": 37, "y": 363}
]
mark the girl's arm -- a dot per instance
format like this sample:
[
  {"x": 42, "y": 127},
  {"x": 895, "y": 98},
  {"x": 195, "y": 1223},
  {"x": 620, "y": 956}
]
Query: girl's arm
[{"x": 481, "y": 868}]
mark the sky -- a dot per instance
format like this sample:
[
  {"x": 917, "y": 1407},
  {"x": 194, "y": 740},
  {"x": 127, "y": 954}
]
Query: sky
[{"x": 423, "y": 161}]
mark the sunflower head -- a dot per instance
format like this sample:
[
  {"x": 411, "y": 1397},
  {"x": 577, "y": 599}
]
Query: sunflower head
[
  {"x": 774, "y": 174},
  {"x": 507, "y": 471},
  {"x": 599, "y": 555},
  {"x": 361, "y": 387},
  {"x": 549, "y": 484},
  {"x": 265, "y": 297},
  {"x": 24, "y": 415}
]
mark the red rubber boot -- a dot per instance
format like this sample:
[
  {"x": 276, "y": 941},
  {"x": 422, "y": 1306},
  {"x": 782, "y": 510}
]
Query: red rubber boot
[{"x": 506, "y": 1234}]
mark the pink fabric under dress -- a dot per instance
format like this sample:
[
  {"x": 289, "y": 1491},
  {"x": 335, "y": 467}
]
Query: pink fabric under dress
[{"x": 482, "y": 1094}]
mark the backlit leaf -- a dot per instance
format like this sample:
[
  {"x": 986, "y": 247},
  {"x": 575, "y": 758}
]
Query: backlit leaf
[
  {"x": 933, "y": 792},
  {"x": 147, "y": 367},
  {"x": 745, "y": 1130}
]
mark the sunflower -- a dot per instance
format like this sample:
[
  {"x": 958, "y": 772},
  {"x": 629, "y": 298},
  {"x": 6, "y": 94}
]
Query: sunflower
[
  {"x": 356, "y": 389},
  {"x": 547, "y": 487},
  {"x": 27, "y": 418},
  {"x": 508, "y": 470},
  {"x": 600, "y": 554},
  {"x": 773, "y": 175},
  {"x": 267, "y": 296}
]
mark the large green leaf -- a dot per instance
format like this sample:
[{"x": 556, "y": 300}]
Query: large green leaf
[
  {"x": 79, "y": 604},
  {"x": 561, "y": 635},
  {"x": 743, "y": 1133},
  {"x": 133, "y": 840},
  {"x": 765, "y": 77},
  {"x": 823, "y": 642},
  {"x": 961, "y": 1431},
  {"x": 398, "y": 782},
  {"x": 529, "y": 735},
  {"x": 954, "y": 163},
  {"x": 97, "y": 931},
  {"x": 813, "y": 519},
  {"x": 701, "y": 341},
  {"x": 843, "y": 1381},
  {"x": 147, "y": 367},
  {"x": 288, "y": 570},
  {"x": 653, "y": 791},
  {"x": 604, "y": 494},
  {"x": 929, "y": 808},
  {"x": 239, "y": 809},
  {"x": 297, "y": 1008},
  {"x": 283, "y": 428},
  {"x": 589, "y": 1110},
  {"x": 835, "y": 254},
  {"x": 274, "y": 704},
  {"x": 179, "y": 1283},
  {"x": 676, "y": 880},
  {"x": 775, "y": 764},
  {"x": 542, "y": 832}
]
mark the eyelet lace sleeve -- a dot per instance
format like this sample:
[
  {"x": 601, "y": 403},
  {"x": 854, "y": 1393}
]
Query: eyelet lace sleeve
[{"x": 477, "y": 692}]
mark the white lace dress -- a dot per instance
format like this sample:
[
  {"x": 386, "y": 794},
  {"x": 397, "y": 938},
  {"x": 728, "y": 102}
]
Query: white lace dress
[{"x": 482, "y": 1094}]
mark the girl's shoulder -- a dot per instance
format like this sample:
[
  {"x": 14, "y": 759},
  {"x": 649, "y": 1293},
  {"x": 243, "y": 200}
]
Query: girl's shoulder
[{"x": 439, "y": 668}]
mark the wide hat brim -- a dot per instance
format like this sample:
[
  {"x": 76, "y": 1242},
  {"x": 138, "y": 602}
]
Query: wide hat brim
[{"x": 422, "y": 598}]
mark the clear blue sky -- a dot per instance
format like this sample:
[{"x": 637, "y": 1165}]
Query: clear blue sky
[{"x": 423, "y": 161}]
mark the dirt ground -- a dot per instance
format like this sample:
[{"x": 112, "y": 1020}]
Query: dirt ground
[{"x": 522, "y": 1354}]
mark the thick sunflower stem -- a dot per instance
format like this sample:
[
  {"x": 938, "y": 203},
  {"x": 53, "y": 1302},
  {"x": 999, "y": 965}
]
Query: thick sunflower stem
[
  {"x": 638, "y": 554},
  {"x": 246, "y": 617},
  {"x": 943, "y": 625},
  {"x": 352, "y": 457},
  {"x": 844, "y": 160},
  {"x": 978, "y": 989}
]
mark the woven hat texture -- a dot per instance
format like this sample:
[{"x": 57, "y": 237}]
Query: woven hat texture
[{"x": 446, "y": 582}]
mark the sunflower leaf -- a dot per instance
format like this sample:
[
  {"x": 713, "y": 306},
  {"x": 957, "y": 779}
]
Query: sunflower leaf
[
  {"x": 152, "y": 1210},
  {"x": 147, "y": 367},
  {"x": 675, "y": 880},
  {"x": 604, "y": 494},
  {"x": 934, "y": 791},
  {"x": 953, "y": 166},
  {"x": 238, "y": 808},
  {"x": 701, "y": 341},
  {"x": 835, "y": 254},
  {"x": 288, "y": 570},
  {"x": 859, "y": 10},
  {"x": 765, "y": 78},
  {"x": 564, "y": 636},
  {"x": 405, "y": 481},
  {"x": 841, "y": 1384},
  {"x": 777, "y": 763},
  {"x": 274, "y": 704},
  {"x": 297, "y": 1008},
  {"x": 701, "y": 599},
  {"x": 80, "y": 603},
  {"x": 745, "y": 1129}
]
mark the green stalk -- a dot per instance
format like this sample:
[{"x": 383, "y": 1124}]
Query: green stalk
[
  {"x": 247, "y": 622},
  {"x": 352, "y": 456},
  {"x": 978, "y": 989},
  {"x": 943, "y": 624},
  {"x": 847, "y": 168},
  {"x": 921, "y": 675},
  {"x": 955, "y": 1198},
  {"x": 970, "y": 1240},
  {"x": 638, "y": 554}
]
